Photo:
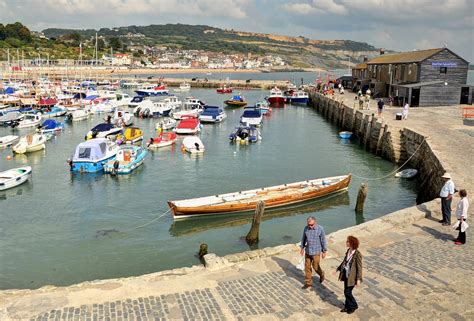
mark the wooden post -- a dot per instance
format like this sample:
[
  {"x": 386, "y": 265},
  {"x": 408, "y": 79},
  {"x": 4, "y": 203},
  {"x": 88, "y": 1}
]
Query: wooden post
[
  {"x": 202, "y": 250},
  {"x": 361, "y": 198},
  {"x": 252, "y": 236}
]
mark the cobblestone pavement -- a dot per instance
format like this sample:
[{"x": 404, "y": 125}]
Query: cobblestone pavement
[{"x": 415, "y": 273}]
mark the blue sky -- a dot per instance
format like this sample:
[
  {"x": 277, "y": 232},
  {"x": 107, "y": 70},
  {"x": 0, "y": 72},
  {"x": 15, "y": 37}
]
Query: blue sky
[{"x": 392, "y": 24}]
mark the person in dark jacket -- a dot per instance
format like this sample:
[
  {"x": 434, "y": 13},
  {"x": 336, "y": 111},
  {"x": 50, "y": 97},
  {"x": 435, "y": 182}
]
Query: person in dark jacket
[{"x": 350, "y": 272}]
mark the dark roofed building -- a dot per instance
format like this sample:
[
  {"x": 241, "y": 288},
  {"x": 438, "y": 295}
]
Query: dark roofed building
[{"x": 433, "y": 77}]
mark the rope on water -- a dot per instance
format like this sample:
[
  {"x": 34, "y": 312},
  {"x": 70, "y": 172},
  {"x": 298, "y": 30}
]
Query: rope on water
[
  {"x": 150, "y": 222},
  {"x": 396, "y": 170}
]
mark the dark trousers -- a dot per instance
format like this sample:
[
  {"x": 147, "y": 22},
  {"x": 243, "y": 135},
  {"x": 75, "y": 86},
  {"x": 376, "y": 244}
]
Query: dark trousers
[
  {"x": 351, "y": 303},
  {"x": 462, "y": 235},
  {"x": 446, "y": 209}
]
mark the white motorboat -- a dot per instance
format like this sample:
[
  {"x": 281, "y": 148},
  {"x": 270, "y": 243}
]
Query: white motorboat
[
  {"x": 193, "y": 145},
  {"x": 103, "y": 130},
  {"x": 191, "y": 107},
  {"x": 30, "y": 143},
  {"x": 30, "y": 120},
  {"x": 141, "y": 106},
  {"x": 90, "y": 156},
  {"x": 122, "y": 118},
  {"x": 212, "y": 114},
  {"x": 7, "y": 117},
  {"x": 105, "y": 106},
  {"x": 183, "y": 87},
  {"x": 252, "y": 116},
  {"x": 166, "y": 123},
  {"x": 8, "y": 140},
  {"x": 78, "y": 115},
  {"x": 14, "y": 177}
]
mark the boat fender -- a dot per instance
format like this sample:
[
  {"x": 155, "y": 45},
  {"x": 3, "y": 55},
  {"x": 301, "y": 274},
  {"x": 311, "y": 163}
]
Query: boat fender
[
  {"x": 116, "y": 164},
  {"x": 197, "y": 146},
  {"x": 69, "y": 161}
]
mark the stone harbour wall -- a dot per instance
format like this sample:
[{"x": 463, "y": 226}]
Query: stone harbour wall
[{"x": 394, "y": 143}]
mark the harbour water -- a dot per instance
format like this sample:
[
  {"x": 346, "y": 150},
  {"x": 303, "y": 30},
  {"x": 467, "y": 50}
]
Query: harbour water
[{"x": 63, "y": 228}]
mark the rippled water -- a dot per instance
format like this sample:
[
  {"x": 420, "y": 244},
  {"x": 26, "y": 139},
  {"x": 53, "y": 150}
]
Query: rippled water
[{"x": 63, "y": 228}]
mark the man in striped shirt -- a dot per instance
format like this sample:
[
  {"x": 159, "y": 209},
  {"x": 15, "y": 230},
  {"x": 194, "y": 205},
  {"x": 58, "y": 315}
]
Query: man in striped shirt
[{"x": 314, "y": 246}]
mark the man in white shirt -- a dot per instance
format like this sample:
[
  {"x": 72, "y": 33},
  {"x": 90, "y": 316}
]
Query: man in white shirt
[{"x": 446, "y": 194}]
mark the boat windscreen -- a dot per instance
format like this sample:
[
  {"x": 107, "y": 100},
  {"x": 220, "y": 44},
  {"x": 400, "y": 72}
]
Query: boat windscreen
[{"x": 84, "y": 153}]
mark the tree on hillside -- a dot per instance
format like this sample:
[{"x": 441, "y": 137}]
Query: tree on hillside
[
  {"x": 100, "y": 44},
  {"x": 115, "y": 43},
  {"x": 16, "y": 31}
]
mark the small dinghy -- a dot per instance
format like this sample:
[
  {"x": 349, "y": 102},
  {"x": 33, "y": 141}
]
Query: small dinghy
[
  {"x": 8, "y": 140},
  {"x": 50, "y": 126},
  {"x": 166, "y": 123},
  {"x": 345, "y": 135},
  {"x": 193, "y": 145},
  {"x": 30, "y": 143},
  {"x": 235, "y": 101},
  {"x": 14, "y": 177},
  {"x": 131, "y": 135},
  {"x": 127, "y": 160},
  {"x": 163, "y": 140},
  {"x": 407, "y": 173},
  {"x": 245, "y": 134}
]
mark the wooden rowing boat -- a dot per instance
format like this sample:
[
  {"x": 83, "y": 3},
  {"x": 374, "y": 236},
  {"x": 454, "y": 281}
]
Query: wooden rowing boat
[{"x": 274, "y": 196}]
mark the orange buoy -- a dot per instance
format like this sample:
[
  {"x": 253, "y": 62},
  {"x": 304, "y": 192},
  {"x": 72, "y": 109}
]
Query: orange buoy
[{"x": 9, "y": 157}]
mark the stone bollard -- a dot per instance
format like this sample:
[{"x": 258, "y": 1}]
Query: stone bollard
[
  {"x": 202, "y": 250},
  {"x": 361, "y": 198},
  {"x": 252, "y": 236}
]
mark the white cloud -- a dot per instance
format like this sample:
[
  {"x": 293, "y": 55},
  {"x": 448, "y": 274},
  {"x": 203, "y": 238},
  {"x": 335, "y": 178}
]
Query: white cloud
[{"x": 316, "y": 6}]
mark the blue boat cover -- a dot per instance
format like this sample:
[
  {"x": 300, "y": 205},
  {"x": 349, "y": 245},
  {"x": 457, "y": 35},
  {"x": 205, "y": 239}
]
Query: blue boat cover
[
  {"x": 236, "y": 97},
  {"x": 50, "y": 124},
  {"x": 251, "y": 113},
  {"x": 9, "y": 90},
  {"x": 137, "y": 99},
  {"x": 102, "y": 127},
  {"x": 91, "y": 97},
  {"x": 79, "y": 96},
  {"x": 211, "y": 111}
]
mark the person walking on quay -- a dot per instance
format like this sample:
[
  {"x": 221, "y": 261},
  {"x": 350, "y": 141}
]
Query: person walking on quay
[
  {"x": 380, "y": 105},
  {"x": 461, "y": 214},
  {"x": 367, "y": 101},
  {"x": 446, "y": 194},
  {"x": 350, "y": 272},
  {"x": 313, "y": 247},
  {"x": 405, "y": 111}
]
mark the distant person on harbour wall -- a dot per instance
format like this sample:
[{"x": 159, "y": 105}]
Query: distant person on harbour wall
[
  {"x": 405, "y": 111},
  {"x": 461, "y": 214},
  {"x": 350, "y": 272},
  {"x": 446, "y": 194},
  {"x": 314, "y": 248},
  {"x": 367, "y": 101},
  {"x": 380, "y": 105}
]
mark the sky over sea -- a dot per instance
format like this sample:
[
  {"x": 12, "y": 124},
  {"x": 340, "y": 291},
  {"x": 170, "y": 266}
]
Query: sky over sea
[{"x": 400, "y": 25}]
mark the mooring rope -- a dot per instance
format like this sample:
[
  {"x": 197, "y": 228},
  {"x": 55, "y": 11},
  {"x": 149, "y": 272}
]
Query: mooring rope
[
  {"x": 150, "y": 222},
  {"x": 396, "y": 170}
]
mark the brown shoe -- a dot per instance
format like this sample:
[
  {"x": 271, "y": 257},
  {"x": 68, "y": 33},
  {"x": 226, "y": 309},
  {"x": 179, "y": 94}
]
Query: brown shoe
[
  {"x": 306, "y": 286},
  {"x": 322, "y": 278}
]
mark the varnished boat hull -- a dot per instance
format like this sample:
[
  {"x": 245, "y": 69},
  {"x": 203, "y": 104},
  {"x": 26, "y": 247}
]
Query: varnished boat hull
[{"x": 184, "y": 212}]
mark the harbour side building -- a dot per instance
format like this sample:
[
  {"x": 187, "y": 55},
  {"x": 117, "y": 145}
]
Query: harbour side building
[{"x": 433, "y": 77}]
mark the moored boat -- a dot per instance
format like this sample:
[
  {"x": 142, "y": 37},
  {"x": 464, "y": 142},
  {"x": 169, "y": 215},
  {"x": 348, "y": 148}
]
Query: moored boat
[
  {"x": 212, "y": 114},
  {"x": 131, "y": 135},
  {"x": 252, "y": 116},
  {"x": 276, "y": 98},
  {"x": 103, "y": 130},
  {"x": 8, "y": 140},
  {"x": 188, "y": 125},
  {"x": 50, "y": 126},
  {"x": 345, "y": 134},
  {"x": 245, "y": 134},
  {"x": 193, "y": 145},
  {"x": 30, "y": 143},
  {"x": 14, "y": 177},
  {"x": 91, "y": 156},
  {"x": 246, "y": 201},
  {"x": 235, "y": 101},
  {"x": 166, "y": 123},
  {"x": 128, "y": 159},
  {"x": 164, "y": 139},
  {"x": 298, "y": 97},
  {"x": 30, "y": 120},
  {"x": 224, "y": 90},
  {"x": 407, "y": 173}
]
